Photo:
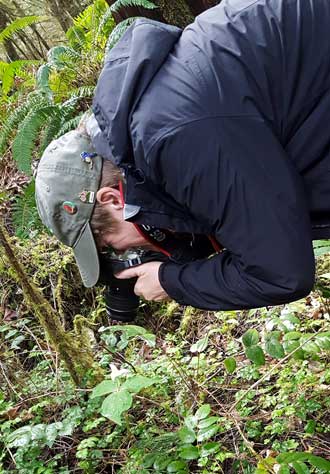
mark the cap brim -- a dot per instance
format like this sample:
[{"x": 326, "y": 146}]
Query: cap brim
[{"x": 87, "y": 258}]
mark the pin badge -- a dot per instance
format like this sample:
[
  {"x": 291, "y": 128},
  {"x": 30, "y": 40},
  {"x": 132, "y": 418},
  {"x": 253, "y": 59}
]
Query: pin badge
[
  {"x": 87, "y": 196},
  {"x": 70, "y": 207},
  {"x": 88, "y": 158}
]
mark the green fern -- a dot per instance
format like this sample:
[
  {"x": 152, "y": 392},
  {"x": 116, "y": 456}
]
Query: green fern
[
  {"x": 91, "y": 28},
  {"x": 18, "y": 25},
  {"x": 118, "y": 32},
  {"x": 25, "y": 215},
  {"x": 33, "y": 102},
  {"x": 61, "y": 57},
  {"x": 8, "y": 72},
  {"x": 69, "y": 125},
  {"x": 107, "y": 24},
  {"x": 27, "y": 135},
  {"x": 132, "y": 3},
  {"x": 42, "y": 80}
]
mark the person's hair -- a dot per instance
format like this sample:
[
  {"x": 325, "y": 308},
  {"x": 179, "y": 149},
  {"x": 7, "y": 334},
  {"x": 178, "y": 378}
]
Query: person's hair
[{"x": 100, "y": 221}]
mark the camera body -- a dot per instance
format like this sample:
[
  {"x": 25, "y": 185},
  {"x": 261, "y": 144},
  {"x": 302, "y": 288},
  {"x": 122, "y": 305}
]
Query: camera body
[{"x": 121, "y": 302}]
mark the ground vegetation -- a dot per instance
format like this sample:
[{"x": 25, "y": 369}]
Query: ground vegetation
[{"x": 180, "y": 390}]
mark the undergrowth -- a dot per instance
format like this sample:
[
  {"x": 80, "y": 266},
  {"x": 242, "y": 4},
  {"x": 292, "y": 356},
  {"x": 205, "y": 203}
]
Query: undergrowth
[{"x": 185, "y": 391}]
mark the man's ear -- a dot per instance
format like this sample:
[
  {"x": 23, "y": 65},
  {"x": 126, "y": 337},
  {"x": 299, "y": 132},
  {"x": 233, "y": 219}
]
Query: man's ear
[{"x": 109, "y": 196}]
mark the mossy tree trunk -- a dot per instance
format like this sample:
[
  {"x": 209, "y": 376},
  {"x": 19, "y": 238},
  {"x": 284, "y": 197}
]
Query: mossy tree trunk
[
  {"x": 74, "y": 349},
  {"x": 177, "y": 12}
]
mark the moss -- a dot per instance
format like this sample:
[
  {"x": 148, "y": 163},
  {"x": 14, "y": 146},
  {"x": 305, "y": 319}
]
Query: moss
[
  {"x": 74, "y": 348},
  {"x": 176, "y": 13},
  {"x": 322, "y": 268}
]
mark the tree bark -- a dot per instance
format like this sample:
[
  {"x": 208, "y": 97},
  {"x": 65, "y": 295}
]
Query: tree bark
[
  {"x": 74, "y": 349},
  {"x": 178, "y": 12},
  {"x": 10, "y": 49},
  {"x": 64, "y": 11}
]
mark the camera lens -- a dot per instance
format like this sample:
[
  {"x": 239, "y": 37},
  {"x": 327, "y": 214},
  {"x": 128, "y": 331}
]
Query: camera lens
[{"x": 121, "y": 301}]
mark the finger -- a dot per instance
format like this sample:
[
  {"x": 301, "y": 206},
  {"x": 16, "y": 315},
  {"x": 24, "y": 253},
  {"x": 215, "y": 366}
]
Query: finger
[{"x": 126, "y": 274}]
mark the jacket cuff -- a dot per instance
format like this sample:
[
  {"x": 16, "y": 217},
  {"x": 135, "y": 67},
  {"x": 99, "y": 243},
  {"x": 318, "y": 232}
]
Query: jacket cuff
[{"x": 168, "y": 275}]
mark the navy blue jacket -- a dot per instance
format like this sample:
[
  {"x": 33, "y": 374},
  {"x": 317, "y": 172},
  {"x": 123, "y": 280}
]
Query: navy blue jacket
[{"x": 224, "y": 129}]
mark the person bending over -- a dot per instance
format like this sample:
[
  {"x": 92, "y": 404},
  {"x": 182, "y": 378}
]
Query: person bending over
[{"x": 219, "y": 130}]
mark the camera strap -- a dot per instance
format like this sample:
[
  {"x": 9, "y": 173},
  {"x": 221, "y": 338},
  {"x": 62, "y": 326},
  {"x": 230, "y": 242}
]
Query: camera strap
[{"x": 179, "y": 247}]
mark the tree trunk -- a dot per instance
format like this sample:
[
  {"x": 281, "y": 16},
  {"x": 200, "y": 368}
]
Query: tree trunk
[
  {"x": 64, "y": 11},
  {"x": 178, "y": 12},
  {"x": 8, "y": 44},
  {"x": 198, "y": 6},
  {"x": 74, "y": 349}
]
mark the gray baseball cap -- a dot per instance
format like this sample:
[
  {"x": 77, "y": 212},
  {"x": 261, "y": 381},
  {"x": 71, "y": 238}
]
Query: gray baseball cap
[{"x": 67, "y": 180}]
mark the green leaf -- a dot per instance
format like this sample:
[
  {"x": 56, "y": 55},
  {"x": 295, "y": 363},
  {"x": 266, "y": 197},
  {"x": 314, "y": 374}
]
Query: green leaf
[
  {"x": 186, "y": 435},
  {"x": 256, "y": 355},
  {"x": 119, "y": 4},
  {"x": 115, "y": 404},
  {"x": 20, "y": 437},
  {"x": 189, "y": 452},
  {"x": 323, "y": 340},
  {"x": 318, "y": 462},
  {"x": 210, "y": 448},
  {"x": 16, "y": 342},
  {"x": 103, "y": 388},
  {"x": 206, "y": 433},
  {"x": 200, "y": 345},
  {"x": 161, "y": 462},
  {"x": 287, "y": 458},
  {"x": 291, "y": 335},
  {"x": 321, "y": 247},
  {"x": 177, "y": 466},
  {"x": 274, "y": 348},
  {"x": 230, "y": 364},
  {"x": 310, "y": 427},
  {"x": 19, "y": 24},
  {"x": 284, "y": 469},
  {"x": 300, "y": 467},
  {"x": 137, "y": 383},
  {"x": 203, "y": 411},
  {"x": 250, "y": 337},
  {"x": 207, "y": 422}
]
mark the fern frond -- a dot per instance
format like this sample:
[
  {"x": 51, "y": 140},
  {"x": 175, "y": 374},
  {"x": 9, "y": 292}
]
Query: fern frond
[
  {"x": 59, "y": 56},
  {"x": 81, "y": 92},
  {"x": 42, "y": 79},
  {"x": 33, "y": 102},
  {"x": 69, "y": 125},
  {"x": 20, "y": 24},
  {"x": 107, "y": 23},
  {"x": 12, "y": 70},
  {"x": 118, "y": 32},
  {"x": 25, "y": 214},
  {"x": 27, "y": 135},
  {"x": 132, "y": 3}
]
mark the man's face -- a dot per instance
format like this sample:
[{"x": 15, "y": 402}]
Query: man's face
[{"x": 124, "y": 236}]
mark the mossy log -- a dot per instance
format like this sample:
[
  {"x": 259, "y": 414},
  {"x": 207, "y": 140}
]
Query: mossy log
[{"x": 74, "y": 349}]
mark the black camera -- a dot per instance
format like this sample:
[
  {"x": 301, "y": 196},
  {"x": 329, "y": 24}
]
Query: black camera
[{"x": 120, "y": 300}]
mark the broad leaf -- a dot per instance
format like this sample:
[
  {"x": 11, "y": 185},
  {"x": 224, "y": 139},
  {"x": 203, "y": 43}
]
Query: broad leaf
[
  {"x": 203, "y": 412},
  {"x": 256, "y": 355},
  {"x": 230, "y": 364},
  {"x": 115, "y": 404},
  {"x": 103, "y": 388},
  {"x": 250, "y": 338},
  {"x": 137, "y": 383}
]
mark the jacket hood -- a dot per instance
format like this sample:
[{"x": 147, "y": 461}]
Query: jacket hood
[{"x": 128, "y": 70}]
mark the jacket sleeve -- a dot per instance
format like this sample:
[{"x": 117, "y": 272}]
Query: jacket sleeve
[{"x": 233, "y": 175}]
